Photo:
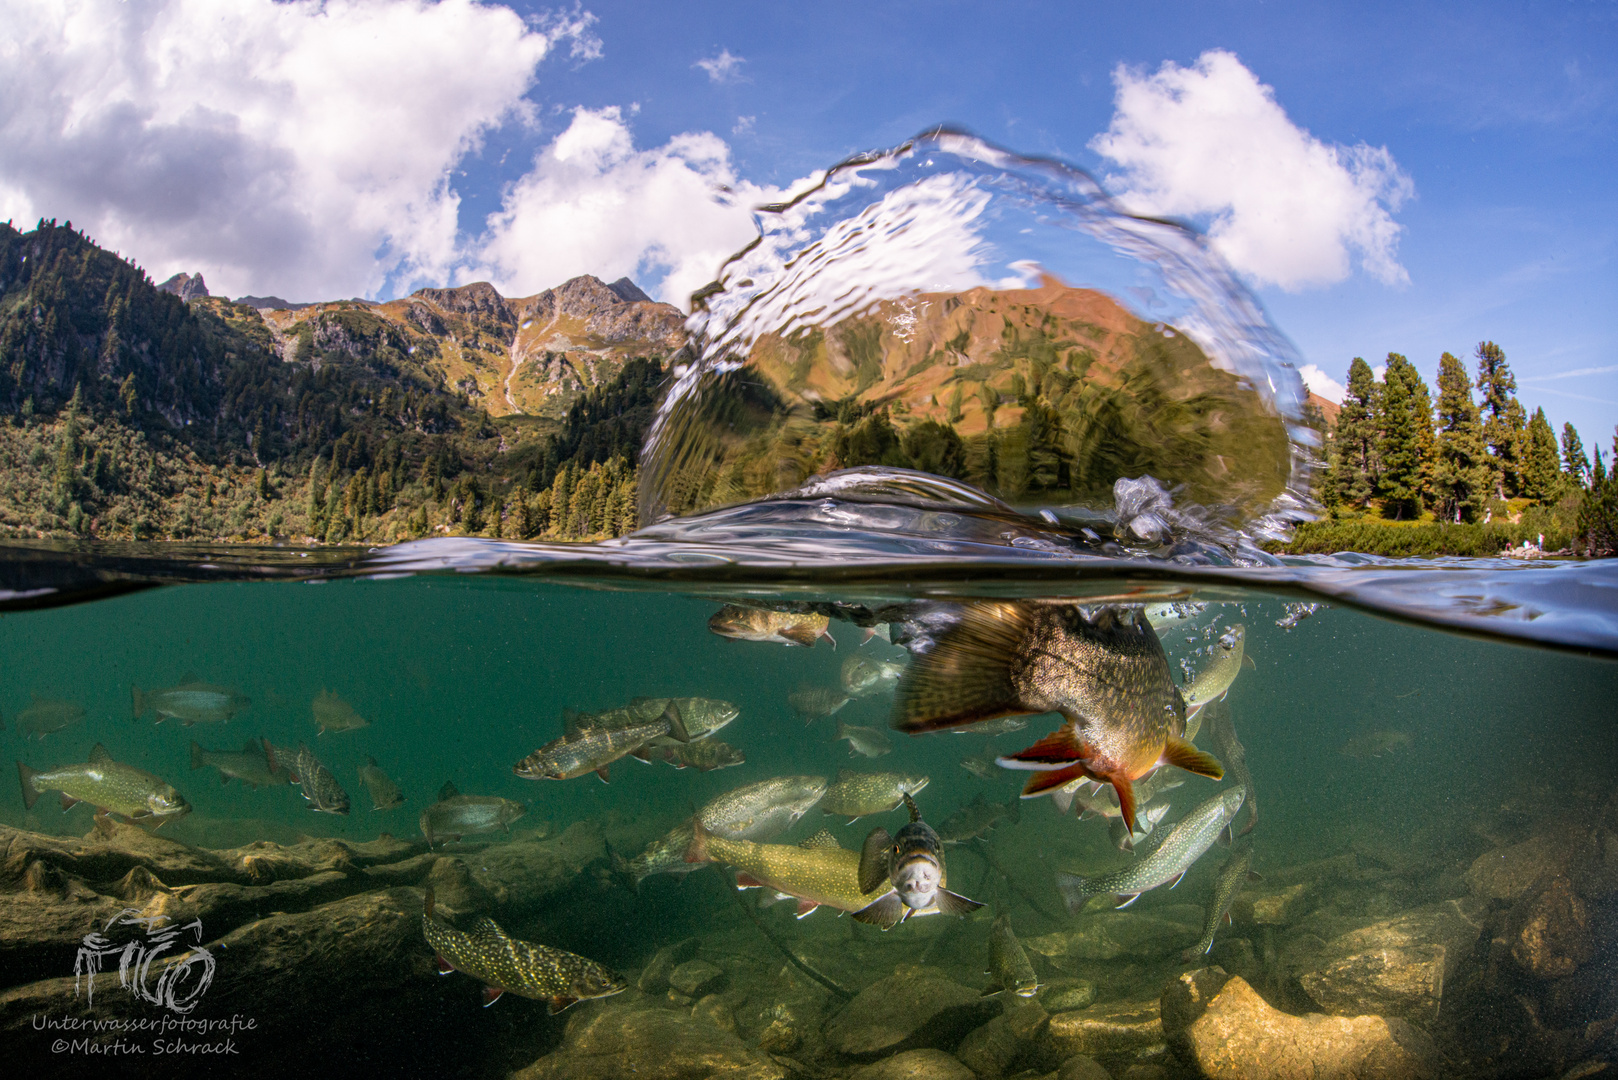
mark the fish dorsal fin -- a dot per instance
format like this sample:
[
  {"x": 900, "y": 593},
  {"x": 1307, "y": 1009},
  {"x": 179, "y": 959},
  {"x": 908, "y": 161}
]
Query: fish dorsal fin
[
  {"x": 99, "y": 755},
  {"x": 572, "y": 721},
  {"x": 821, "y": 839},
  {"x": 448, "y": 791},
  {"x": 371, "y": 761},
  {"x": 252, "y": 746},
  {"x": 966, "y": 677},
  {"x": 190, "y": 677}
]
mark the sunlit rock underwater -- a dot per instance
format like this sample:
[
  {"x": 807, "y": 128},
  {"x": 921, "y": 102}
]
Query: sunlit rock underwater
[{"x": 946, "y": 717}]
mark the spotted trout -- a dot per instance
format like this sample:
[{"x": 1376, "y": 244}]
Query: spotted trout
[
  {"x": 107, "y": 785},
  {"x": 456, "y": 815},
  {"x": 1237, "y": 871},
  {"x": 1108, "y": 677},
  {"x": 385, "y": 794},
  {"x": 251, "y": 764},
  {"x": 1168, "y": 861},
  {"x": 760, "y": 811},
  {"x": 912, "y": 863},
  {"x": 320, "y": 788},
  {"x": 779, "y": 627},
  {"x": 854, "y": 795},
  {"x": 1213, "y": 679},
  {"x": 43, "y": 716},
  {"x": 190, "y": 702},
  {"x": 594, "y": 749},
  {"x": 1009, "y": 965},
  {"x": 817, "y": 872},
  {"x": 1222, "y": 731},
  {"x": 504, "y": 963}
]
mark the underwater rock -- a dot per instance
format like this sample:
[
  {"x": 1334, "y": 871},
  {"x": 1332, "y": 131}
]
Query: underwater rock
[
  {"x": 1113, "y": 1030},
  {"x": 1241, "y": 1037},
  {"x": 1397, "y": 967},
  {"x": 1596, "y": 866},
  {"x": 654, "y": 978},
  {"x": 716, "y": 1011},
  {"x": 1065, "y": 995},
  {"x": 456, "y": 890},
  {"x": 1081, "y": 1067},
  {"x": 651, "y": 1044},
  {"x": 914, "y": 1008},
  {"x": 534, "y": 872},
  {"x": 1549, "y": 930},
  {"x": 1107, "y": 935},
  {"x": 694, "y": 978},
  {"x": 1506, "y": 873},
  {"x": 999, "y": 1047},
  {"x": 1186, "y": 998},
  {"x": 1282, "y": 908},
  {"x": 916, "y": 1065}
]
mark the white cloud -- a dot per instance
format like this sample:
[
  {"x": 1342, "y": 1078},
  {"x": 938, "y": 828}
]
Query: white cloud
[
  {"x": 594, "y": 204},
  {"x": 1210, "y": 142},
  {"x": 300, "y": 147},
  {"x": 1322, "y": 384},
  {"x": 744, "y": 125},
  {"x": 726, "y": 67}
]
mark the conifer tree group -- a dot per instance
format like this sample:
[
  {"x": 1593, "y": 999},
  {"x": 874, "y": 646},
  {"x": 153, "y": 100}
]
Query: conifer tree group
[{"x": 1388, "y": 448}]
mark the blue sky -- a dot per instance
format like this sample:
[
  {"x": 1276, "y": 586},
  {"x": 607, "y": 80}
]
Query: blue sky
[{"x": 281, "y": 176}]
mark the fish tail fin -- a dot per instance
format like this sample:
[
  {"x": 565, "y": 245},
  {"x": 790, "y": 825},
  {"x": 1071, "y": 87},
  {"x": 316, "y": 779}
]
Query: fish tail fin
[
  {"x": 676, "y": 723},
  {"x": 966, "y": 677},
  {"x": 30, "y": 794},
  {"x": 1179, "y": 753},
  {"x": 697, "y": 850},
  {"x": 138, "y": 700},
  {"x": 1075, "y": 891},
  {"x": 1041, "y": 782},
  {"x": 197, "y": 761},
  {"x": 427, "y": 903}
]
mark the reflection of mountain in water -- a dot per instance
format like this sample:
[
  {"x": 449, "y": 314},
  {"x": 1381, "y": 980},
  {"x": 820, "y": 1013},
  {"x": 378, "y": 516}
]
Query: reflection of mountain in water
[{"x": 1047, "y": 394}]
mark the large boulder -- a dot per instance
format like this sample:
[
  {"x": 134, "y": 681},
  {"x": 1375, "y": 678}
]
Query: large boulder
[
  {"x": 1507, "y": 873},
  {"x": 1238, "y": 1036},
  {"x": 1397, "y": 967},
  {"x": 1116, "y": 1032},
  {"x": 914, "y": 1008},
  {"x": 1108, "y": 935},
  {"x": 1549, "y": 930},
  {"x": 916, "y": 1065},
  {"x": 1004, "y": 1044},
  {"x": 649, "y": 1043}
]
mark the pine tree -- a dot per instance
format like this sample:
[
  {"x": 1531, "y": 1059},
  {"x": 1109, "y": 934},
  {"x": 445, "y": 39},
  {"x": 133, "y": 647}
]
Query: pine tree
[
  {"x": 1463, "y": 474},
  {"x": 1505, "y": 419},
  {"x": 1356, "y": 438},
  {"x": 1574, "y": 463},
  {"x": 1405, "y": 438},
  {"x": 1542, "y": 466}
]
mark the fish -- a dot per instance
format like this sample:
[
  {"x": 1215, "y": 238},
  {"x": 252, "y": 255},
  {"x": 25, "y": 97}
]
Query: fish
[
  {"x": 1237, "y": 871},
  {"x": 1374, "y": 744},
  {"x": 991, "y": 728},
  {"x": 867, "y": 741},
  {"x": 1222, "y": 731},
  {"x": 704, "y": 755},
  {"x": 1164, "y": 616},
  {"x": 594, "y": 749},
  {"x": 45, "y": 716},
  {"x": 108, "y": 785},
  {"x": 1214, "y": 679},
  {"x": 818, "y": 872},
  {"x": 1108, "y": 676},
  {"x": 862, "y": 677},
  {"x": 251, "y": 764},
  {"x": 880, "y": 630},
  {"x": 1168, "y": 860},
  {"x": 1145, "y": 821},
  {"x": 913, "y": 863},
  {"x": 456, "y": 815},
  {"x": 332, "y": 713},
  {"x": 320, "y": 788},
  {"x": 191, "y": 701},
  {"x": 779, "y": 627},
  {"x": 854, "y": 795},
  {"x": 1088, "y": 799},
  {"x": 977, "y": 818},
  {"x": 504, "y": 963},
  {"x": 702, "y": 716},
  {"x": 1009, "y": 966},
  {"x": 982, "y": 765},
  {"x": 815, "y": 702},
  {"x": 385, "y": 794},
  {"x": 758, "y": 811}
]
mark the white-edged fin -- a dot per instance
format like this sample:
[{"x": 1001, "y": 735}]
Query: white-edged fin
[
  {"x": 955, "y": 904},
  {"x": 874, "y": 859},
  {"x": 1126, "y": 903},
  {"x": 1177, "y": 879},
  {"x": 886, "y": 912}
]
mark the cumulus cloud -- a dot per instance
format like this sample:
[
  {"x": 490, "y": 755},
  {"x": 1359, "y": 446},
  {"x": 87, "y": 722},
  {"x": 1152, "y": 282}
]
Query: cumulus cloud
[
  {"x": 1318, "y": 382},
  {"x": 1209, "y": 142},
  {"x": 594, "y": 204},
  {"x": 303, "y": 147},
  {"x": 726, "y": 67}
]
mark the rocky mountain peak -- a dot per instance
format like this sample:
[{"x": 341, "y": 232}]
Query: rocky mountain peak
[
  {"x": 477, "y": 299},
  {"x": 187, "y": 287}
]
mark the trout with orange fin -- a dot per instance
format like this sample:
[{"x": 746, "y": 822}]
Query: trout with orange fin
[{"x": 1108, "y": 677}]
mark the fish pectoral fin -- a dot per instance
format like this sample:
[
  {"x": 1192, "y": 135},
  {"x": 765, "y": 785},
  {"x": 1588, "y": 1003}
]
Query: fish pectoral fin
[
  {"x": 491, "y": 994},
  {"x": 1177, "y": 879},
  {"x": 745, "y": 880},
  {"x": 602, "y": 772},
  {"x": 1254, "y": 875},
  {"x": 874, "y": 859},
  {"x": 955, "y": 904},
  {"x": 560, "y": 1002},
  {"x": 1247, "y": 662},
  {"x": 1126, "y": 903},
  {"x": 966, "y": 677},
  {"x": 1228, "y": 921},
  {"x": 1224, "y": 836},
  {"x": 1181, "y": 754},
  {"x": 801, "y": 635},
  {"x": 444, "y": 966},
  {"x": 887, "y": 911},
  {"x": 68, "y": 802},
  {"x": 806, "y": 907},
  {"x": 1041, "y": 782},
  {"x": 1061, "y": 747}
]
